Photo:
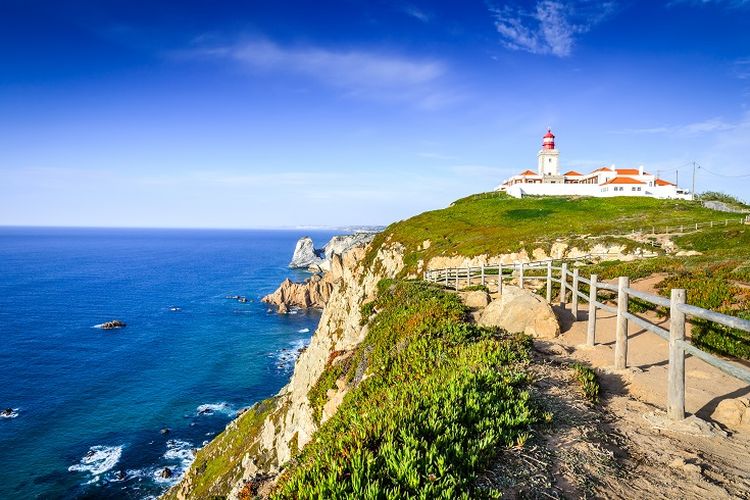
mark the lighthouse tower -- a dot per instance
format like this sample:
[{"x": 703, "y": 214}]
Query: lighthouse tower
[{"x": 548, "y": 157}]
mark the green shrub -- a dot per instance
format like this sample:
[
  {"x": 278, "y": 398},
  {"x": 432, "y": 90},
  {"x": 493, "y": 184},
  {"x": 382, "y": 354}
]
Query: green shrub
[
  {"x": 588, "y": 380},
  {"x": 441, "y": 398}
]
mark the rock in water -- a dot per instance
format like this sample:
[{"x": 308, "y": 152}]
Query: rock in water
[
  {"x": 305, "y": 254},
  {"x": 313, "y": 292},
  {"x": 166, "y": 473},
  {"x": 520, "y": 310},
  {"x": 111, "y": 325}
]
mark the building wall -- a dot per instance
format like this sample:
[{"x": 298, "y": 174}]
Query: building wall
[{"x": 520, "y": 190}]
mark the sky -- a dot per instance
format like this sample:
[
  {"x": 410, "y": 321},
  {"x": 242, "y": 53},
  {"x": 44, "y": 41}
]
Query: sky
[{"x": 242, "y": 114}]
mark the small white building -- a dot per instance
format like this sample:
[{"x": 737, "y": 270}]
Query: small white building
[{"x": 604, "y": 181}]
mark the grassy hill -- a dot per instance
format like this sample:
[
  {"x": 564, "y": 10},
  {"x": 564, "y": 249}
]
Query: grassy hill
[{"x": 495, "y": 223}]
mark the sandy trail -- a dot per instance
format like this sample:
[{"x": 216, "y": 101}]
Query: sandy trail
[{"x": 651, "y": 461}]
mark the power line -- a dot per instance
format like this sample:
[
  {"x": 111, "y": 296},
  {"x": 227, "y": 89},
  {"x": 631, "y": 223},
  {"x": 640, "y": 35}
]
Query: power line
[{"x": 722, "y": 175}]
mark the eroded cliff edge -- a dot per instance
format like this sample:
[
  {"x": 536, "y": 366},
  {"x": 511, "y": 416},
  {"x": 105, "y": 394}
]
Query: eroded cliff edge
[{"x": 254, "y": 447}]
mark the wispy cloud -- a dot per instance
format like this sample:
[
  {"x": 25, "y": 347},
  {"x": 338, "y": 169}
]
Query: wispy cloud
[
  {"x": 358, "y": 72},
  {"x": 551, "y": 27},
  {"x": 689, "y": 129},
  {"x": 741, "y": 68},
  {"x": 416, "y": 13}
]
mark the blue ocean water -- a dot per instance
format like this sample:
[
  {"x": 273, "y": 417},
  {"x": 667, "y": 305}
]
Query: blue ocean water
[{"x": 90, "y": 402}]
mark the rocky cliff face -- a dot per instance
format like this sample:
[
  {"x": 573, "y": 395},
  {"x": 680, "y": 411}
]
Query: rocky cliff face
[
  {"x": 250, "y": 452},
  {"x": 313, "y": 292}
]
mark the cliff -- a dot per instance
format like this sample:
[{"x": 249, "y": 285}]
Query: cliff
[{"x": 253, "y": 448}]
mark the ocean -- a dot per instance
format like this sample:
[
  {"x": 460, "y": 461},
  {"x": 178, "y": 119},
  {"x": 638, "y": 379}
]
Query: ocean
[{"x": 100, "y": 413}]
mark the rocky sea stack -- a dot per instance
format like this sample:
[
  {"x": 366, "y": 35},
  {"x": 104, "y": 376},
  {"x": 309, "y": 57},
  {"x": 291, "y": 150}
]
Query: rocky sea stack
[{"x": 306, "y": 256}]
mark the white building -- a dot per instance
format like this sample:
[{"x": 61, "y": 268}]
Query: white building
[{"x": 605, "y": 181}]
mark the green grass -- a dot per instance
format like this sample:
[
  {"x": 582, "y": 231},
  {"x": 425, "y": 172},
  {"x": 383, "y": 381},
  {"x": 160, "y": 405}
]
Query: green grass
[
  {"x": 494, "y": 223},
  {"x": 442, "y": 397}
]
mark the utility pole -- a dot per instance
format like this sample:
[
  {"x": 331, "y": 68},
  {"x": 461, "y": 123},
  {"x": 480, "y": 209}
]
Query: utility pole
[
  {"x": 692, "y": 190},
  {"x": 677, "y": 177}
]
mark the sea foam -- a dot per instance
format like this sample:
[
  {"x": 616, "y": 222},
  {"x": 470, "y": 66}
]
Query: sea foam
[
  {"x": 98, "y": 460},
  {"x": 211, "y": 408}
]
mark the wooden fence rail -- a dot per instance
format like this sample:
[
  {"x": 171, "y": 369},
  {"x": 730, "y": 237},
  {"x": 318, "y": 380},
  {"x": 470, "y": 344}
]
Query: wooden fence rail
[{"x": 546, "y": 273}]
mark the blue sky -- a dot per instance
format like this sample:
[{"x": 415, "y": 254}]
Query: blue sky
[{"x": 269, "y": 114}]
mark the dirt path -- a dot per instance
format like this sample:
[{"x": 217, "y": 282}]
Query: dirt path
[{"x": 622, "y": 447}]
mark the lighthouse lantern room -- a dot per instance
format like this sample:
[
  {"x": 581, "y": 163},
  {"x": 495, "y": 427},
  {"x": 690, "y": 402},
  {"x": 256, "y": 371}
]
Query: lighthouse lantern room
[{"x": 548, "y": 157}]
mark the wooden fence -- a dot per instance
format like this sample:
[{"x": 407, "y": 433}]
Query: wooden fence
[
  {"x": 684, "y": 228},
  {"x": 546, "y": 273}
]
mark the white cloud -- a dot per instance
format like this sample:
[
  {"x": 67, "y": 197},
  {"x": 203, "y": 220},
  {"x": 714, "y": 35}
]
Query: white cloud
[
  {"x": 551, "y": 27},
  {"x": 689, "y": 129},
  {"x": 358, "y": 72}
]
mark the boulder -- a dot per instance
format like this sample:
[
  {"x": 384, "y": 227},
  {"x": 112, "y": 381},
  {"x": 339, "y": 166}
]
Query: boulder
[
  {"x": 476, "y": 299},
  {"x": 518, "y": 310},
  {"x": 733, "y": 414},
  {"x": 166, "y": 473}
]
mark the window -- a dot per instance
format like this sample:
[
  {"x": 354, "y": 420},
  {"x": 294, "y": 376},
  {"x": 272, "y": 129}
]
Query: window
[
  {"x": 639, "y": 188},
  {"x": 633, "y": 188}
]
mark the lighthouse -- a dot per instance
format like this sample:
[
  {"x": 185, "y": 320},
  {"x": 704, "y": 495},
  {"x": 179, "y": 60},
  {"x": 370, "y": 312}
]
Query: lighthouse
[{"x": 548, "y": 158}]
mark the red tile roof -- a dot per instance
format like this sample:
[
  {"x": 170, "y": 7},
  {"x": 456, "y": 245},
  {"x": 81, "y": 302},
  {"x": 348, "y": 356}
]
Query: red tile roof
[
  {"x": 623, "y": 180},
  {"x": 528, "y": 172},
  {"x": 628, "y": 171},
  {"x": 571, "y": 172},
  {"x": 603, "y": 169},
  {"x": 662, "y": 182}
]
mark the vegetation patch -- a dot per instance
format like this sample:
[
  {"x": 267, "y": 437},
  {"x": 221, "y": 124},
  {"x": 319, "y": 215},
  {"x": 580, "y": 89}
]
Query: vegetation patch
[
  {"x": 495, "y": 223},
  {"x": 215, "y": 469},
  {"x": 441, "y": 397},
  {"x": 588, "y": 381}
]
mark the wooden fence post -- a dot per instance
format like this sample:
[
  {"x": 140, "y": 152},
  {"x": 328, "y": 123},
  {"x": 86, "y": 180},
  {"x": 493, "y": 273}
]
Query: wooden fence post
[
  {"x": 621, "y": 342},
  {"x": 482, "y": 273},
  {"x": 456, "y": 279},
  {"x": 591, "y": 327},
  {"x": 676, "y": 376},
  {"x": 696, "y": 226},
  {"x": 446, "y": 277},
  {"x": 468, "y": 276},
  {"x": 500, "y": 278},
  {"x": 574, "y": 300},
  {"x": 549, "y": 282},
  {"x": 520, "y": 276},
  {"x": 563, "y": 281}
]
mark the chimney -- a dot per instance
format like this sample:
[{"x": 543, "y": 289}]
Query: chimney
[{"x": 640, "y": 170}]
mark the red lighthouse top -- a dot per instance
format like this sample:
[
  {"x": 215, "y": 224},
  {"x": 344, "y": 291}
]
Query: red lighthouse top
[{"x": 548, "y": 141}]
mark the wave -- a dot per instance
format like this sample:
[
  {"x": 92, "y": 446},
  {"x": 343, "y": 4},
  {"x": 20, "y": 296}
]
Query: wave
[
  {"x": 286, "y": 357},
  {"x": 304, "y": 330},
  {"x": 178, "y": 451},
  {"x": 211, "y": 408},
  {"x": 98, "y": 460}
]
